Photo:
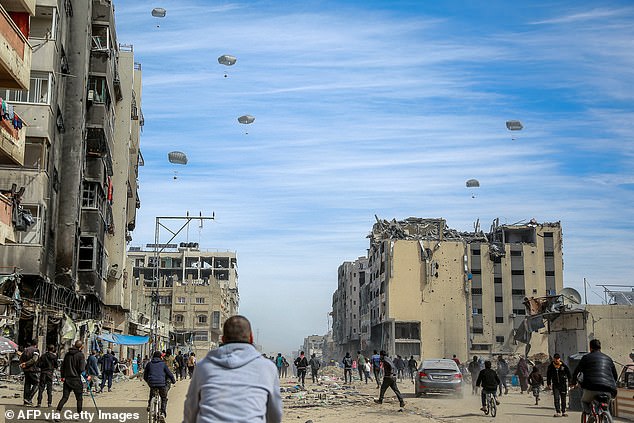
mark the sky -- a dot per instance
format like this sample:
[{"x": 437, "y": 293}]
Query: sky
[{"x": 382, "y": 108}]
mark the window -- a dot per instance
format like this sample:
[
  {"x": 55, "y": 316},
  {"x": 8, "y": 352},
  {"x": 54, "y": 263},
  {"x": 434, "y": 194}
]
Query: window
[
  {"x": 550, "y": 273},
  {"x": 549, "y": 254},
  {"x": 477, "y": 311},
  {"x": 200, "y": 300},
  {"x": 99, "y": 89},
  {"x": 499, "y": 299},
  {"x": 178, "y": 318},
  {"x": 548, "y": 234},
  {"x": 201, "y": 335},
  {"x": 180, "y": 300},
  {"x": 100, "y": 38},
  {"x": 476, "y": 291},
  {"x": 44, "y": 23},
  {"x": 92, "y": 196},
  {"x": 499, "y": 339},
  {"x": 165, "y": 299},
  {"x": 519, "y": 311},
  {"x": 477, "y": 330},
  {"x": 516, "y": 253},
  {"x": 499, "y": 320},
  {"x": 517, "y": 272},
  {"x": 36, "y": 154},
  {"x": 202, "y": 319},
  {"x": 33, "y": 232},
  {"x": 39, "y": 90},
  {"x": 476, "y": 271},
  {"x": 497, "y": 280},
  {"x": 479, "y": 347},
  {"x": 518, "y": 292},
  {"x": 215, "y": 320},
  {"x": 139, "y": 262},
  {"x": 90, "y": 254},
  {"x": 475, "y": 252}
]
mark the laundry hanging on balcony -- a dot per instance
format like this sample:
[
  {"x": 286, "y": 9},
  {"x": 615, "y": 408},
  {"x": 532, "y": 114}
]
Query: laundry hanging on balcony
[{"x": 8, "y": 113}]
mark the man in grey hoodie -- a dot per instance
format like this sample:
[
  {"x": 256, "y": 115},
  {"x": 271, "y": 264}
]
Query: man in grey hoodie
[{"x": 234, "y": 383}]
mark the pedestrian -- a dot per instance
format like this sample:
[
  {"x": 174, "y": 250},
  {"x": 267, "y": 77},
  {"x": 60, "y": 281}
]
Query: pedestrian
[
  {"x": 157, "y": 374},
  {"x": 315, "y": 365},
  {"x": 47, "y": 364},
  {"x": 234, "y": 383},
  {"x": 72, "y": 368},
  {"x": 474, "y": 370},
  {"x": 522, "y": 374},
  {"x": 361, "y": 365},
  {"x": 108, "y": 363},
  {"x": 400, "y": 367},
  {"x": 347, "y": 368},
  {"x": 389, "y": 380},
  {"x": 489, "y": 380},
  {"x": 455, "y": 359},
  {"x": 279, "y": 362},
  {"x": 180, "y": 363},
  {"x": 557, "y": 379},
  {"x": 301, "y": 363},
  {"x": 503, "y": 371},
  {"x": 28, "y": 364},
  {"x": 191, "y": 364},
  {"x": 92, "y": 369},
  {"x": 367, "y": 368},
  {"x": 413, "y": 367},
  {"x": 536, "y": 381},
  {"x": 376, "y": 367},
  {"x": 284, "y": 367}
]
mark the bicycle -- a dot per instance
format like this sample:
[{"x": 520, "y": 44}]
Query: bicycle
[
  {"x": 154, "y": 409},
  {"x": 490, "y": 404},
  {"x": 599, "y": 410}
]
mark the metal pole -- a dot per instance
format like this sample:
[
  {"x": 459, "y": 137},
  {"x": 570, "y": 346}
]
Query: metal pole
[{"x": 585, "y": 290}]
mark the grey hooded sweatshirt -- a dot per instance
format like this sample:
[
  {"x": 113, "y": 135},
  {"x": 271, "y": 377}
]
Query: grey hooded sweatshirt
[{"x": 234, "y": 383}]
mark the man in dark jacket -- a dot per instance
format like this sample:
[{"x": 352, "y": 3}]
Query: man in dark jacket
[
  {"x": 315, "y": 365},
  {"x": 71, "y": 372},
  {"x": 92, "y": 369},
  {"x": 108, "y": 361},
  {"x": 28, "y": 363},
  {"x": 347, "y": 368},
  {"x": 47, "y": 364},
  {"x": 489, "y": 380},
  {"x": 156, "y": 374},
  {"x": 558, "y": 377},
  {"x": 301, "y": 363},
  {"x": 474, "y": 370},
  {"x": 599, "y": 375},
  {"x": 389, "y": 379},
  {"x": 182, "y": 368}
]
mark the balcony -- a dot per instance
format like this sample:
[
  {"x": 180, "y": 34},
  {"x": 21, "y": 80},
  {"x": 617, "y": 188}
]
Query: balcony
[
  {"x": 15, "y": 50},
  {"x": 6, "y": 224},
  {"x": 12, "y": 142}
]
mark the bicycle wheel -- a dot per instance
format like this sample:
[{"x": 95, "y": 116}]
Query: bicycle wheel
[
  {"x": 493, "y": 407},
  {"x": 605, "y": 417},
  {"x": 584, "y": 417}
]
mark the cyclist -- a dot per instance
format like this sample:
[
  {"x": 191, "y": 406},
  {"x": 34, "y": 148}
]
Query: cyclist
[
  {"x": 490, "y": 381},
  {"x": 156, "y": 374},
  {"x": 599, "y": 375}
]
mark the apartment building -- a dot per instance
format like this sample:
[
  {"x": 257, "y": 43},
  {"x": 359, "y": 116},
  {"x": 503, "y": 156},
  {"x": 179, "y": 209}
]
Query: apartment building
[
  {"x": 79, "y": 160},
  {"x": 433, "y": 291},
  {"x": 351, "y": 279},
  {"x": 196, "y": 292},
  {"x": 314, "y": 344}
]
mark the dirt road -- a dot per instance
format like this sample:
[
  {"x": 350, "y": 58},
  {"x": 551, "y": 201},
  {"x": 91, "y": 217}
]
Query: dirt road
[{"x": 331, "y": 402}]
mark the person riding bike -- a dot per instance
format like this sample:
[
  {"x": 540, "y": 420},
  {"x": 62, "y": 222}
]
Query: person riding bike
[
  {"x": 156, "y": 374},
  {"x": 490, "y": 381},
  {"x": 599, "y": 375}
]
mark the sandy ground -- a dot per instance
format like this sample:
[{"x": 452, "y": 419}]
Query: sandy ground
[{"x": 331, "y": 402}]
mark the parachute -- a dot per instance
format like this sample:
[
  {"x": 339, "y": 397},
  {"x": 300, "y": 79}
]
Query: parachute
[
  {"x": 472, "y": 184},
  {"x": 246, "y": 120},
  {"x": 514, "y": 125},
  {"x": 227, "y": 60},
  {"x": 177, "y": 157},
  {"x": 158, "y": 12}
]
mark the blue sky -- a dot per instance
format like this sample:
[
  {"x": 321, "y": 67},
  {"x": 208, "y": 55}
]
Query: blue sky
[{"x": 382, "y": 108}]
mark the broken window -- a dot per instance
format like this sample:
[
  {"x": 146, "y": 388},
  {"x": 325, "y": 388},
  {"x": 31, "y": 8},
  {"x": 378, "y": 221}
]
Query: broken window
[
  {"x": 90, "y": 254},
  {"x": 92, "y": 195},
  {"x": 499, "y": 320},
  {"x": 32, "y": 234},
  {"x": 215, "y": 320},
  {"x": 98, "y": 90},
  {"x": 499, "y": 339},
  {"x": 100, "y": 38},
  {"x": 407, "y": 330},
  {"x": 178, "y": 318}
]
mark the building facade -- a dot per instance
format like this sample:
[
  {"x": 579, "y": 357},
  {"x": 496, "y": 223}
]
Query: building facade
[
  {"x": 351, "y": 279},
  {"x": 196, "y": 292},
  {"x": 79, "y": 161},
  {"x": 433, "y": 291}
]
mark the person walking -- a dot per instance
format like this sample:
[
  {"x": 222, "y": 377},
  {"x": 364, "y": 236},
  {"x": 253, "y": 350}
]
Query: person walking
[
  {"x": 315, "y": 365},
  {"x": 489, "y": 380},
  {"x": 157, "y": 374},
  {"x": 503, "y": 371},
  {"x": 599, "y": 375},
  {"x": 361, "y": 366},
  {"x": 367, "y": 368},
  {"x": 389, "y": 380},
  {"x": 413, "y": 367},
  {"x": 376, "y": 367},
  {"x": 108, "y": 362},
  {"x": 536, "y": 381},
  {"x": 557, "y": 379},
  {"x": 234, "y": 383},
  {"x": 347, "y": 369},
  {"x": 400, "y": 367},
  {"x": 191, "y": 364},
  {"x": 285, "y": 366},
  {"x": 181, "y": 368},
  {"x": 71, "y": 372},
  {"x": 474, "y": 370},
  {"x": 301, "y": 363},
  {"x": 279, "y": 363},
  {"x": 522, "y": 374},
  {"x": 28, "y": 364},
  {"x": 456, "y": 360},
  {"x": 47, "y": 364},
  {"x": 92, "y": 369}
]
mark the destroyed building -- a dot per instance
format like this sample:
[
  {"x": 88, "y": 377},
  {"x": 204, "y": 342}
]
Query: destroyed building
[
  {"x": 433, "y": 291},
  {"x": 70, "y": 162}
]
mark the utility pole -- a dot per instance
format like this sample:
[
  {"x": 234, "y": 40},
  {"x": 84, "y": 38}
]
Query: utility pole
[
  {"x": 158, "y": 249},
  {"x": 585, "y": 291}
]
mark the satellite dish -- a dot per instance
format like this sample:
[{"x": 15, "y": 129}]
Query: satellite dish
[{"x": 571, "y": 296}]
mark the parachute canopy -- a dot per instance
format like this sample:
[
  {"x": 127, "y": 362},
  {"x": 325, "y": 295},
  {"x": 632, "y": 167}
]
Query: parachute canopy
[
  {"x": 473, "y": 183},
  {"x": 227, "y": 60},
  {"x": 514, "y": 125},
  {"x": 246, "y": 119},
  {"x": 177, "y": 157},
  {"x": 158, "y": 12}
]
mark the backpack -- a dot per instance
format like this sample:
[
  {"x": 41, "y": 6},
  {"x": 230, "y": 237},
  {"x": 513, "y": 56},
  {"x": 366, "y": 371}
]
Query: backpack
[{"x": 347, "y": 362}]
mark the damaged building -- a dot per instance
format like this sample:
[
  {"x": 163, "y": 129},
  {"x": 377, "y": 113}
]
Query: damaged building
[
  {"x": 433, "y": 291},
  {"x": 67, "y": 165}
]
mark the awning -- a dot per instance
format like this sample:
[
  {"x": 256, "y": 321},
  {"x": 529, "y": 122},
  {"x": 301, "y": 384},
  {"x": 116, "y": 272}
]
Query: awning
[{"x": 116, "y": 338}]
